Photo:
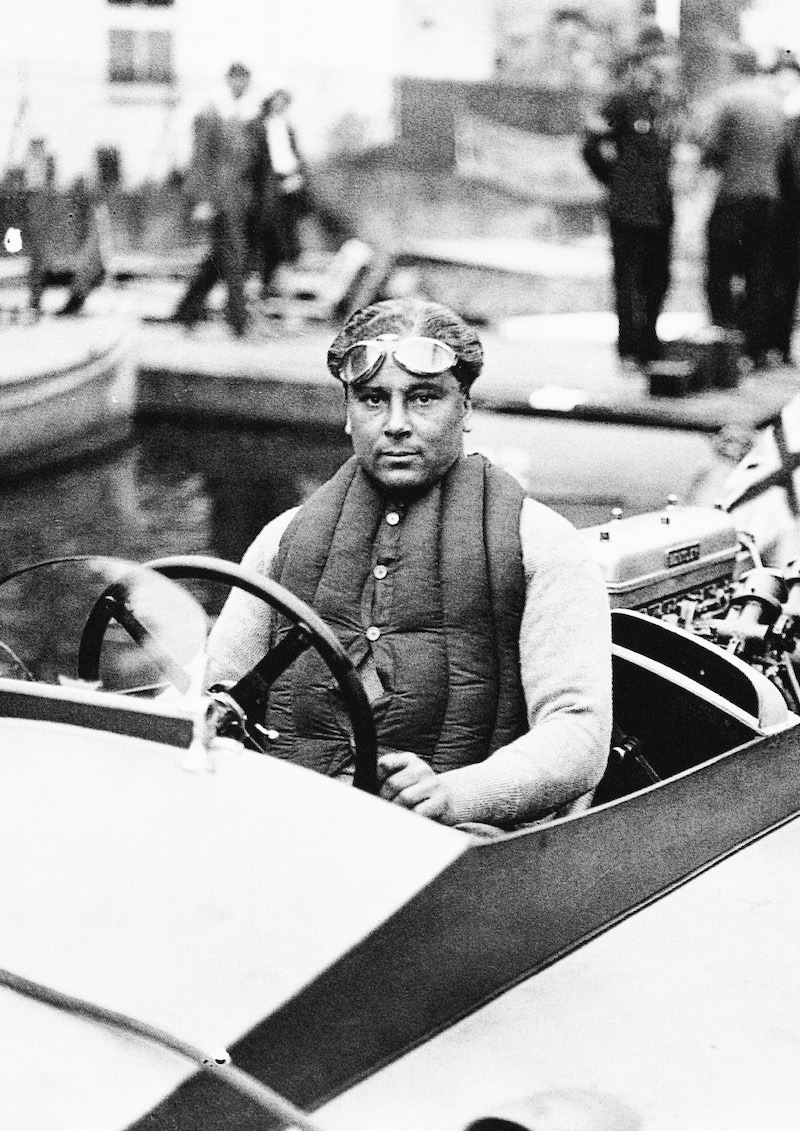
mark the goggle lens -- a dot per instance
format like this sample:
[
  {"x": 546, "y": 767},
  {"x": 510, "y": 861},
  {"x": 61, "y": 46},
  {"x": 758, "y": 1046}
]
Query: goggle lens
[
  {"x": 424, "y": 357},
  {"x": 362, "y": 360}
]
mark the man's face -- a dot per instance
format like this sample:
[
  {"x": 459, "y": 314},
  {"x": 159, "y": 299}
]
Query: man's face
[
  {"x": 238, "y": 82},
  {"x": 407, "y": 430}
]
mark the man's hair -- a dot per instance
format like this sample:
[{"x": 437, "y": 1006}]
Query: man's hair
[{"x": 409, "y": 317}]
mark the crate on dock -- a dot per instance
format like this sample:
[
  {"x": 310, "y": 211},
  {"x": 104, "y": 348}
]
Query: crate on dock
[
  {"x": 715, "y": 350},
  {"x": 674, "y": 378}
]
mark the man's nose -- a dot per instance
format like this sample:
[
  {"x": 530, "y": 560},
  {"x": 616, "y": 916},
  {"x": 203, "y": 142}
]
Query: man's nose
[{"x": 397, "y": 423}]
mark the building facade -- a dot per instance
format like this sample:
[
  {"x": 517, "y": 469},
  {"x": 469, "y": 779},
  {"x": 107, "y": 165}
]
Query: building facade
[
  {"x": 129, "y": 74},
  {"x": 126, "y": 76}
]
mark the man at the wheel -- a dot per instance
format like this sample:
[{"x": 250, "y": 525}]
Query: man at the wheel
[{"x": 474, "y": 616}]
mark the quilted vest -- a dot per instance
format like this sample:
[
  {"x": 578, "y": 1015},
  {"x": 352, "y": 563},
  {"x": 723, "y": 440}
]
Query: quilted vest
[{"x": 434, "y": 589}]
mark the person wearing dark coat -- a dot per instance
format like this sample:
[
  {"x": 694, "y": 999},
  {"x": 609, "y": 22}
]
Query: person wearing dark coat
[
  {"x": 787, "y": 218},
  {"x": 629, "y": 149},
  {"x": 96, "y": 245},
  {"x": 282, "y": 191},
  {"x": 220, "y": 181},
  {"x": 268, "y": 235},
  {"x": 743, "y": 144},
  {"x": 38, "y": 203}
]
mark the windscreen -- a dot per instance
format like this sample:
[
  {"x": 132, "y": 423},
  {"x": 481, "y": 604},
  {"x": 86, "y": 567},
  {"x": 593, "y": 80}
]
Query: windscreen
[{"x": 104, "y": 622}]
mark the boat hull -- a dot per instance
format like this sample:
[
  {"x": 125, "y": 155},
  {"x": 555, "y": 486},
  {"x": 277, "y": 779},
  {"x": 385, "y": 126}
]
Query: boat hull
[
  {"x": 496, "y": 916},
  {"x": 65, "y": 392},
  {"x": 322, "y": 934}
]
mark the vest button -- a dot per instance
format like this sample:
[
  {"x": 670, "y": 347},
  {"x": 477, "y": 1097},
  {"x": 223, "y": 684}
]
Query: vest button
[
  {"x": 380, "y": 572},
  {"x": 373, "y": 633},
  {"x": 393, "y": 518}
]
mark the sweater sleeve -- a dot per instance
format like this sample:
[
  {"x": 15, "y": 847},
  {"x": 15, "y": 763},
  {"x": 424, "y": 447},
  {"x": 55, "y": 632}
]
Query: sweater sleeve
[
  {"x": 565, "y": 662},
  {"x": 240, "y": 637}
]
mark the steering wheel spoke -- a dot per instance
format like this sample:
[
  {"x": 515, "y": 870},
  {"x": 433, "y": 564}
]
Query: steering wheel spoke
[
  {"x": 113, "y": 605},
  {"x": 308, "y": 630},
  {"x": 296, "y": 641}
]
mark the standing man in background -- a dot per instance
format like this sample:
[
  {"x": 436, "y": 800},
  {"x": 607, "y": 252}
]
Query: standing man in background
[
  {"x": 37, "y": 174},
  {"x": 628, "y": 147},
  {"x": 743, "y": 144},
  {"x": 220, "y": 180},
  {"x": 95, "y": 252},
  {"x": 787, "y": 219}
]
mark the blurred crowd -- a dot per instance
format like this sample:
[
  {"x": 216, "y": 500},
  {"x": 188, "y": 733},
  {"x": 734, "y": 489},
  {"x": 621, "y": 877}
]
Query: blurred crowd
[
  {"x": 748, "y": 140},
  {"x": 250, "y": 185},
  {"x": 251, "y": 193}
]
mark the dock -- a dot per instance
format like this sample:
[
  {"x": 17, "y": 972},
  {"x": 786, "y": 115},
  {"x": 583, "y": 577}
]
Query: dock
[
  {"x": 560, "y": 366},
  {"x": 553, "y": 404},
  {"x": 553, "y": 363}
]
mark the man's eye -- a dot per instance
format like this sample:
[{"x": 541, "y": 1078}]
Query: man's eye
[
  {"x": 424, "y": 398},
  {"x": 371, "y": 400}
]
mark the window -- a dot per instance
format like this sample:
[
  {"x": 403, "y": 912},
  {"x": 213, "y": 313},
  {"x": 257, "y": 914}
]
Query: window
[{"x": 140, "y": 56}]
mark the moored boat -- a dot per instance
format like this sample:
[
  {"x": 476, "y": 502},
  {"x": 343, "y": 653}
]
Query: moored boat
[{"x": 67, "y": 389}]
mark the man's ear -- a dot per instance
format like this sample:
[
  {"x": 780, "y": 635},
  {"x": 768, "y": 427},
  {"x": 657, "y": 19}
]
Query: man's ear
[{"x": 466, "y": 420}]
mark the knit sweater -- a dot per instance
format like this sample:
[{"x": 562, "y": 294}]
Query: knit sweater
[{"x": 565, "y": 666}]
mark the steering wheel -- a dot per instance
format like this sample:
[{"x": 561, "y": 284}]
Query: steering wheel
[{"x": 308, "y": 630}]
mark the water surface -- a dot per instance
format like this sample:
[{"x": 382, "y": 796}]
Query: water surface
[{"x": 172, "y": 490}]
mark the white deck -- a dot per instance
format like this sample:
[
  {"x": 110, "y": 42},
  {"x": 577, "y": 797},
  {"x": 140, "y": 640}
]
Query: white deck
[
  {"x": 195, "y": 902},
  {"x": 686, "y": 1017}
]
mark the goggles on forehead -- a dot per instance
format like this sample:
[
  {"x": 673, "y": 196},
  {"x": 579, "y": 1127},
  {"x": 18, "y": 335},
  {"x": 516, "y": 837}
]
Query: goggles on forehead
[{"x": 423, "y": 357}]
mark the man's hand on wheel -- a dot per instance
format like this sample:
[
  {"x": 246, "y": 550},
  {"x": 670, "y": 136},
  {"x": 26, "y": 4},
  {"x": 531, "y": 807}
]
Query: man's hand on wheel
[{"x": 408, "y": 781}]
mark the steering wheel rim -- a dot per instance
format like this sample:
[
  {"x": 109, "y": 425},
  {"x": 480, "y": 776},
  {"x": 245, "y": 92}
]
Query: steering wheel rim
[{"x": 183, "y": 567}]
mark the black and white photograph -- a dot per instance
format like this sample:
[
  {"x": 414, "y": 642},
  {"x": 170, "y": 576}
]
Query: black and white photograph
[{"x": 400, "y": 565}]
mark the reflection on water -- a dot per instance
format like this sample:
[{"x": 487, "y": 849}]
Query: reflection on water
[{"x": 173, "y": 490}]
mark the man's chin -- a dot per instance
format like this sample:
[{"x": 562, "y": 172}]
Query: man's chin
[
  {"x": 400, "y": 479},
  {"x": 404, "y": 476}
]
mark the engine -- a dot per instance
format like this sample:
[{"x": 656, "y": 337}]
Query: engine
[{"x": 691, "y": 567}]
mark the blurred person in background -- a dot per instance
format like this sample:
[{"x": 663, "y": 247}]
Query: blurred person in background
[
  {"x": 37, "y": 179},
  {"x": 96, "y": 247},
  {"x": 283, "y": 196},
  {"x": 743, "y": 144},
  {"x": 629, "y": 148},
  {"x": 220, "y": 181},
  {"x": 574, "y": 53},
  {"x": 281, "y": 185},
  {"x": 269, "y": 237},
  {"x": 787, "y": 219}
]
